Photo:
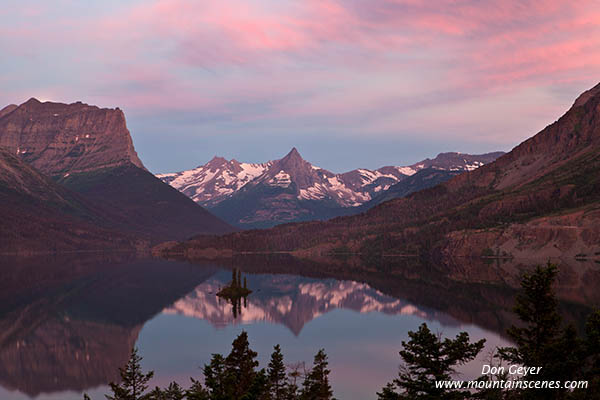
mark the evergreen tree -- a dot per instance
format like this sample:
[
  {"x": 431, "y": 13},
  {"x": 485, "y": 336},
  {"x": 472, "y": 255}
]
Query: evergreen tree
[
  {"x": 388, "y": 393},
  {"x": 537, "y": 308},
  {"x": 234, "y": 278},
  {"x": 239, "y": 278},
  {"x": 240, "y": 367},
  {"x": 292, "y": 392},
  {"x": 428, "y": 359},
  {"x": 592, "y": 344},
  {"x": 259, "y": 390},
  {"x": 196, "y": 391},
  {"x": 215, "y": 379},
  {"x": 277, "y": 375},
  {"x": 157, "y": 394},
  {"x": 174, "y": 392},
  {"x": 541, "y": 341},
  {"x": 133, "y": 381},
  {"x": 316, "y": 384}
]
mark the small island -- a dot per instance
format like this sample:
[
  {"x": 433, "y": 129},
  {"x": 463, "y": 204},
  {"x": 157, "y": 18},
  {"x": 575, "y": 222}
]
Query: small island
[{"x": 235, "y": 290}]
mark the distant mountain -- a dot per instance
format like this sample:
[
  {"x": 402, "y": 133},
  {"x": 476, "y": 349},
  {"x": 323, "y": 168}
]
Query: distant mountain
[
  {"x": 213, "y": 182},
  {"x": 89, "y": 150},
  {"x": 423, "y": 179},
  {"x": 542, "y": 199},
  {"x": 292, "y": 189},
  {"x": 431, "y": 173}
]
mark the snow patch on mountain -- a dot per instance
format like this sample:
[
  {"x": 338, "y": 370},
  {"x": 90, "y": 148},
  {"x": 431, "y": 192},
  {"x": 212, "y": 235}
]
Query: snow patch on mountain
[
  {"x": 220, "y": 179},
  {"x": 281, "y": 179}
]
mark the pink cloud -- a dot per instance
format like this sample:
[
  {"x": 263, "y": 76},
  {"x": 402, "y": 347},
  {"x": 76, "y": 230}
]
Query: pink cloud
[{"x": 314, "y": 57}]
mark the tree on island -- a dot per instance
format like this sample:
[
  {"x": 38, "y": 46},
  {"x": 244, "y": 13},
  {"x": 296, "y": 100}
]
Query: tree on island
[{"x": 234, "y": 292}]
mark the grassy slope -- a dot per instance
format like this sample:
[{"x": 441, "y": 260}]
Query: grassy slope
[
  {"x": 39, "y": 215},
  {"x": 133, "y": 200}
]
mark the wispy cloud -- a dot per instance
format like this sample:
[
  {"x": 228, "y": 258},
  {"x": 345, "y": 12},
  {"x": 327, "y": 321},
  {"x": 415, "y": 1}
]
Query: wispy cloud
[{"x": 376, "y": 67}]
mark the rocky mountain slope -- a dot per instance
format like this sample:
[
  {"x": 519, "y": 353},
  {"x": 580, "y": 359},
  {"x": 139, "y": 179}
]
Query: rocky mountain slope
[
  {"x": 556, "y": 173},
  {"x": 89, "y": 151},
  {"x": 423, "y": 179},
  {"x": 292, "y": 189},
  {"x": 40, "y": 215}
]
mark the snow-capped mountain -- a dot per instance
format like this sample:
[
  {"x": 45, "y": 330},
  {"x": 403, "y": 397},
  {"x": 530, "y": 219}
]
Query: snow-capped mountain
[
  {"x": 292, "y": 189},
  {"x": 216, "y": 180}
]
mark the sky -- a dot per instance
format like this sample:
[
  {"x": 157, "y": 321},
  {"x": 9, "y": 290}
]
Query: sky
[{"x": 350, "y": 83}]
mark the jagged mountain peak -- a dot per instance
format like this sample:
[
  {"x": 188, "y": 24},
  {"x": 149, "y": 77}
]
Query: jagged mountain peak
[
  {"x": 293, "y": 153},
  {"x": 291, "y": 168},
  {"x": 218, "y": 161},
  {"x": 293, "y": 159}
]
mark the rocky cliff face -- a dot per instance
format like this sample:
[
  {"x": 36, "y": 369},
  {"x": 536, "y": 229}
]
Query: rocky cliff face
[
  {"x": 571, "y": 235},
  {"x": 60, "y": 139}
]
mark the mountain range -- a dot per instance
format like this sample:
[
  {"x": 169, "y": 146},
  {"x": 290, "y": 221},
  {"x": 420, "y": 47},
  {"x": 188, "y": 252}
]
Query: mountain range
[
  {"x": 540, "y": 199},
  {"x": 71, "y": 180},
  {"x": 291, "y": 189}
]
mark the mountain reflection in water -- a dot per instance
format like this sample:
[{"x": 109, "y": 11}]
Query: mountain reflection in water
[
  {"x": 290, "y": 300},
  {"x": 68, "y": 322}
]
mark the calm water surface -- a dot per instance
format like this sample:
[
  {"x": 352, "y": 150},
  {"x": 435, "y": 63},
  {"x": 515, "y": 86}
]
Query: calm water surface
[{"x": 67, "y": 324}]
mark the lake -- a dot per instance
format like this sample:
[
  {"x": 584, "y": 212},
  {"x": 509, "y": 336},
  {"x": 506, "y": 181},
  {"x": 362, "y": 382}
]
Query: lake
[{"x": 68, "y": 322}]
